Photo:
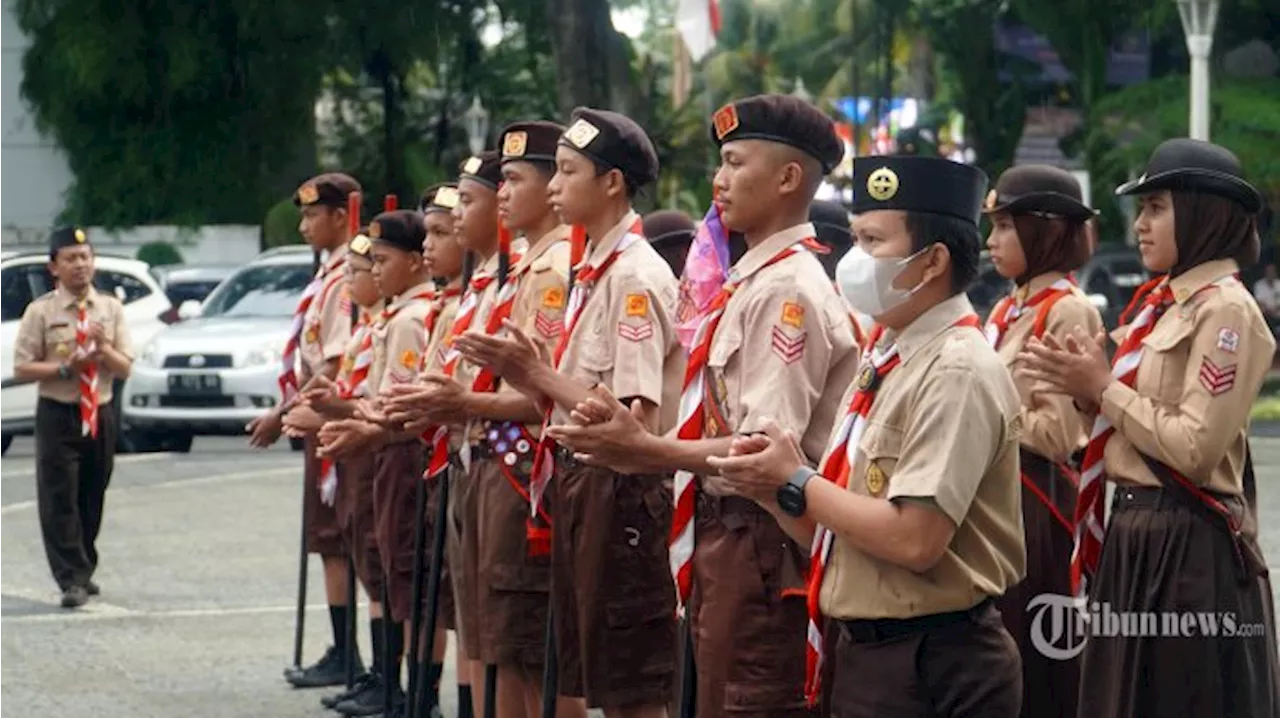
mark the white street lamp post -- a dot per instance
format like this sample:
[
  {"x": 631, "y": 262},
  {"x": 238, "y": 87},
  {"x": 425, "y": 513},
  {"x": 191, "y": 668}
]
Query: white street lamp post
[
  {"x": 477, "y": 123},
  {"x": 1198, "y": 20}
]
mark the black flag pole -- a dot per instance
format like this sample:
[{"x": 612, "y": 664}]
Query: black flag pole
[{"x": 353, "y": 228}]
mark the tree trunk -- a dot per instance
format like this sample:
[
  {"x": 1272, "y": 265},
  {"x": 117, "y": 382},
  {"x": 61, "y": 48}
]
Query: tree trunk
[{"x": 590, "y": 56}]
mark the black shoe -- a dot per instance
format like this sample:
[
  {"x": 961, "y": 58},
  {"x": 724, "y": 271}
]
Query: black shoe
[
  {"x": 369, "y": 702},
  {"x": 74, "y": 597},
  {"x": 331, "y": 702},
  {"x": 92, "y": 588},
  {"x": 328, "y": 671}
]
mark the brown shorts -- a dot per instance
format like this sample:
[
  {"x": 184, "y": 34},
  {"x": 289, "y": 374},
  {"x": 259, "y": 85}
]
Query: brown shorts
[
  {"x": 749, "y": 613},
  {"x": 461, "y": 546},
  {"x": 514, "y": 587},
  {"x": 323, "y": 536},
  {"x": 354, "y": 507},
  {"x": 967, "y": 669},
  {"x": 397, "y": 473},
  {"x": 612, "y": 592}
]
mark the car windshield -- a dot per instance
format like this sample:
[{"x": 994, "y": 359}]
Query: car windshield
[
  {"x": 1127, "y": 274},
  {"x": 261, "y": 291}
]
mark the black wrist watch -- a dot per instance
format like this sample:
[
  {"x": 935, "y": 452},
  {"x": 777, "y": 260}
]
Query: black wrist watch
[
  {"x": 64, "y": 371},
  {"x": 791, "y": 494}
]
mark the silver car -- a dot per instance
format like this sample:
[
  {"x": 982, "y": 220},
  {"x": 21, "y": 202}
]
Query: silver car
[{"x": 217, "y": 370}]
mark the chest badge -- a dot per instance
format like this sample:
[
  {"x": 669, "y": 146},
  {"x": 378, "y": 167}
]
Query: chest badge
[
  {"x": 313, "y": 334},
  {"x": 876, "y": 479}
]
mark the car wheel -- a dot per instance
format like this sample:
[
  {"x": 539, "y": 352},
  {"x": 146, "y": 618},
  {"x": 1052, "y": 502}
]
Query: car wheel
[
  {"x": 5, "y": 440},
  {"x": 295, "y": 444}
]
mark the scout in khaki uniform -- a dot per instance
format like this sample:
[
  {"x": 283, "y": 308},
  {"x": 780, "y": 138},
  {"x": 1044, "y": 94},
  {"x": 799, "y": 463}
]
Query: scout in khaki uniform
[
  {"x": 74, "y": 342},
  {"x": 670, "y": 232},
  {"x": 778, "y": 344},
  {"x": 1037, "y": 239},
  {"x": 321, "y": 329},
  {"x": 612, "y": 598},
  {"x": 353, "y": 499},
  {"x": 1171, "y": 432},
  {"x": 916, "y": 510}
]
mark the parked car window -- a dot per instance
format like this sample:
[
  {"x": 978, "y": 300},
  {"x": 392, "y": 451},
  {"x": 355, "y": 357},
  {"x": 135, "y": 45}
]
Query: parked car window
[
  {"x": 21, "y": 284},
  {"x": 128, "y": 288},
  {"x": 179, "y": 292},
  {"x": 263, "y": 291}
]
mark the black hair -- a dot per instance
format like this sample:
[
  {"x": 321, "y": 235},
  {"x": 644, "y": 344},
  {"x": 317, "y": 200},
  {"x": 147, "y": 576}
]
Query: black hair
[
  {"x": 603, "y": 169},
  {"x": 961, "y": 239}
]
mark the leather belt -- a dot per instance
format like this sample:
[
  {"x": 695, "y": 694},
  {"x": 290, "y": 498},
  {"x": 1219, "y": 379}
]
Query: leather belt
[
  {"x": 882, "y": 629},
  {"x": 1155, "y": 497}
]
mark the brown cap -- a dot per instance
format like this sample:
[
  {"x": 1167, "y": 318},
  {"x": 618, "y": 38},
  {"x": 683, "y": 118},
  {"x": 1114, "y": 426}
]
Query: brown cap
[
  {"x": 533, "y": 141},
  {"x": 400, "y": 228},
  {"x": 1037, "y": 189},
  {"x": 327, "y": 190},
  {"x": 439, "y": 198}
]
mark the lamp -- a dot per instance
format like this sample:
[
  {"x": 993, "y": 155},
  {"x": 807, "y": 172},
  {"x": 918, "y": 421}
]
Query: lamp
[{"x": 1198, "y": 20}]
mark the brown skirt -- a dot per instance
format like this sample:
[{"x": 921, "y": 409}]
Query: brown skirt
[
  {"x": 354, "y": 508},
  {"x": 749, "y": 613},
  {"x": 514, "y": 587},
  {"x": 612, "y": 592},
  {"x": 1050, "y": 685},
  {"x": 1175, "y": 575}
]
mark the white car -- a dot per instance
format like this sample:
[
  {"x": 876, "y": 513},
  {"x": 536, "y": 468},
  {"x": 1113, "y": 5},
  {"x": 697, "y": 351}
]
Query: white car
[
  {"x": 217, "y": 370},
  {"x": 24, "y": 276}
]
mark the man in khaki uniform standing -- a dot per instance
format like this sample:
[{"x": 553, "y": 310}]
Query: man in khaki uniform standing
[
  {"x": 74, "y": 342},
  {"x": 777, "y": 344},
  {"x": 917, "y": 508},
  {"x": 321, "y": 329}
]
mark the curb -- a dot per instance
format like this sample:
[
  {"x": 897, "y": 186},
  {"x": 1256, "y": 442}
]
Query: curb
[{"x": 1265, "y": 429}]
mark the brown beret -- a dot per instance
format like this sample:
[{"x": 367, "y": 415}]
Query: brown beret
[
  {"x": 400, "y": 228},
  {"x": 439, "y": 198},
  {"x": 485, "y": 168},
  {"x": 668, "y": 226},
  {"x": 66, "y": 237},
  {"x": 780, "y": 118},
  {"x": 327, "y": 190},
  {"x": 615, "y": 141},
  {"x": 533, "y": 141},
  {"x": 1037, "y": 188},
  {"x": 360, "y": 245}
]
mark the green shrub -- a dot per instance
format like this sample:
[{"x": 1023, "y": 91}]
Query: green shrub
[
  {"x": 280, "y": 227},
  {"x": 159, "y": 253},
  {"x": 1266, "y": 408}
]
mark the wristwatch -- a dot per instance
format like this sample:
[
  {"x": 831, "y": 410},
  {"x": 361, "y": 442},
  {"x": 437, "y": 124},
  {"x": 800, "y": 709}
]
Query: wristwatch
[
  {"x": 791, "y": 494},
  {"x": 64, "y": 371}
]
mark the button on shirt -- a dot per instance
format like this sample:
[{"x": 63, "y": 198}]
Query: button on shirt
[{"x": 47, "y": 333}]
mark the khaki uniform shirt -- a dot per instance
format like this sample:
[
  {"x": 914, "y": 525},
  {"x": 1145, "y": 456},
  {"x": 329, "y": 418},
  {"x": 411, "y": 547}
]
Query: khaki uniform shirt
[
  {"x": 47, "y": 333},
  {"x": 352, "y": 349},
  {"x": 326, "y": 326},
  {"x": 626, "y": 337},
  {"x": 1202, "y": 366},
  {"x": 436, "y": 346},
  {"x": 784, "y": 348},
  {"x": 398, "y": 345},
  {"x": 1051, "y": 425},
  {"x": 465, "y": 372},
  {"x": 944, "y": 427},
  {"x": 542, "y": 297}
]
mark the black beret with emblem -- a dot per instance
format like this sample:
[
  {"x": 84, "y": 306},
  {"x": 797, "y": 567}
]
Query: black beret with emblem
[
  {"x": 66, "y": 237},
  {"x": 485, "y": 168},
  {"x": 669, "y": 227},
  {"x": 919, "y": 184},
  {"x": 400, "y": 228},
  {"x": 780, "y": 118},
  {"x": 361, "y": 246},
  {"x": 1038, "y": 189},
  {"x": 326, "y": 190},
  {"x": 1196, "y": 166},
  {"x": 439, "y": 198},
  {"x": 614, "y": 141},
  {"x": 533, "y": 141}
]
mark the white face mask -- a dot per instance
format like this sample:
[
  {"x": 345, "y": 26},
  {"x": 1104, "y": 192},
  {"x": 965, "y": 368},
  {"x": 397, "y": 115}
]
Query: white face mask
[{"x": 867, "y": 282}]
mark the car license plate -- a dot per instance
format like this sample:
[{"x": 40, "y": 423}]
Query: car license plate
[{"x": 195, "y": 384}]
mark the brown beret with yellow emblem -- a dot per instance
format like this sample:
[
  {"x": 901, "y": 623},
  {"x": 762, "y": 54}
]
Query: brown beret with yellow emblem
[
  {"x": 326, "y": 190},
  {"x": 614, "y": 141},
  {"x": 439, "y": 198},
  {"x": 485, "y": 168},
  {"x": 780, "y": 118},
  {"x": 400, "y": 228},
  {"x": 533, "y": 141}
]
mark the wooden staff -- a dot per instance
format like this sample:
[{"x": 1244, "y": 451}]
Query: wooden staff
[
  {"x": 504, "y": 267},
  {"x": 353, "y": 228}
]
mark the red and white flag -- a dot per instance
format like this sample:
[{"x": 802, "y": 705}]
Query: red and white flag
[{"x": 698, "y": 22}]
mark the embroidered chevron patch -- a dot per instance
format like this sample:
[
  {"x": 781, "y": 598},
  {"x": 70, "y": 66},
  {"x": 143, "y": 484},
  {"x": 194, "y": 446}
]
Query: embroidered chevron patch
[
  {"x": 788, "y": 349},
  {"x": 1217, "y": 380},
  {"x": 548, "y": 327},
  {"x": 635, "y": 333}
]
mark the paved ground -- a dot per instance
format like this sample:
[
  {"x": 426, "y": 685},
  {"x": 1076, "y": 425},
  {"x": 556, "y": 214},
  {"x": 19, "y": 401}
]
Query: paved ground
[{"x": 198, "y": 576}]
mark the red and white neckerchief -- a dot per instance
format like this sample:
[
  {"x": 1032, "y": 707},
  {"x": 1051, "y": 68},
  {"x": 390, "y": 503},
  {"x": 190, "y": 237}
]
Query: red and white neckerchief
[
  {"x": 692, "y": 423},
  {"x": 584, "y": 281},
  {"x": 324, "y": 280},
  {"x": 356, "y": 384},
  {"x": 433, "y": 316},
  {"x": 438, "y": 437},
  {"x": 88, "y": 378},
  {"x": 836, "y": 467},
  {"x": 485, "y": 380},
  {"x": 1007, "y": 310},
  {"x": 1152, "y": 300}
]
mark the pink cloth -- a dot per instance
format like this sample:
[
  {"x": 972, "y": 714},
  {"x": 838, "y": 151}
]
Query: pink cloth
[{"x": 705, "y": 270}]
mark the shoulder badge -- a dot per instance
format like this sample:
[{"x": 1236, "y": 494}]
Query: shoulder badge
[
  {"x": 581, "y": 133},
  {"x": 514, "y": 144},
  {"x": 793, "y": 314},
  {"x": 875, "y": 479},
  {"x": 637, "y": 305},
  {"x": 553, "y": 298},
  {"x": 409, "y": 359},
  {"x": 1228, "y": 340}
]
